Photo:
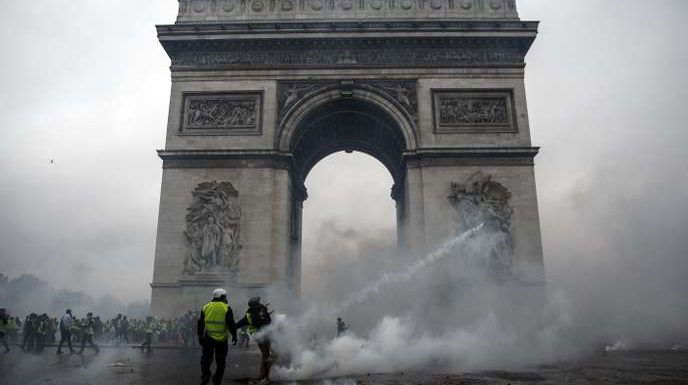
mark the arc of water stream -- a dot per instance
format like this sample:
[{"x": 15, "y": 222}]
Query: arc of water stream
[{"x": 411, "y": 270}]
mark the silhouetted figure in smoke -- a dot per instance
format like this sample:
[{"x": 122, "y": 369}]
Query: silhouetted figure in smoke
[
  {"x": 187, "y": 329},
  {"x": 148, "y": 330},
  {"x": 41, "y": 331},
  {"x": 342, "y": 327},
  {"x": 88, "y": 331},
  {"x": 214, "y": 327},
  {"x": 116, "y": 324},
  {"x": 30, "y": 327},
  {"x": 4, "y": 328},
  {"x": 124, "y": 331},
  {"x": 66, "y": 325},
  {"x": 257, "y": 318}
]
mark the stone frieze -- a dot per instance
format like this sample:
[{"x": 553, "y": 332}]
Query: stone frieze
[
  {"x": 386, "y": 57},
  {"x": 473, "y": 111},
  {"x": 218, "y": 113},
  {"x": 243, "y": 10}
]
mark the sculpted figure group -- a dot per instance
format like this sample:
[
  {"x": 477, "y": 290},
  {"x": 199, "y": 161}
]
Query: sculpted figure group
[{"x": 213, "y": 229}]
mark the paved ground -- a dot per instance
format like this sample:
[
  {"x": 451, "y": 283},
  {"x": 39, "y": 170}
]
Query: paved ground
[{"x": 180, "y": 366}]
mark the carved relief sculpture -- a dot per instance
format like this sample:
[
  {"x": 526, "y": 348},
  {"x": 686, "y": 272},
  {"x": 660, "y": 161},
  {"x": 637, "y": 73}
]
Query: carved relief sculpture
[
  {"x": 218, "y": 112},
  {"x": 481, "y": 200},
  {"x": 213, "y": 229},
  {"x": 402, "y": 91},
  {"x": 473, "y": 111}
]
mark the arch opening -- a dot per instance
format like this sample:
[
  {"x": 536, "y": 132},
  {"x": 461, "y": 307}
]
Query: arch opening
[
  {"x": 346, "y": 124},
  {"x": 339, "y": 243}
]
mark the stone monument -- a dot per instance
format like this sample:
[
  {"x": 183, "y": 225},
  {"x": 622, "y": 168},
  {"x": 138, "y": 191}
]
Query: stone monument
[{"x": 262, "y": 90}]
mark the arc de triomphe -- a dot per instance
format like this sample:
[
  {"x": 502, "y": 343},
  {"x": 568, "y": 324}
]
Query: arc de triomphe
[{"x": 264, "y": 89}]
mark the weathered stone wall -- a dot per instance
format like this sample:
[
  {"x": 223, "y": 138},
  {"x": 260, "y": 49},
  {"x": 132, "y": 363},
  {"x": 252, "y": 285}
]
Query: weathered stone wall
[
  {"x": 439, "y": 223},
  {"x": 264, "y": 199},
  {"x": 262, "y": 137}
]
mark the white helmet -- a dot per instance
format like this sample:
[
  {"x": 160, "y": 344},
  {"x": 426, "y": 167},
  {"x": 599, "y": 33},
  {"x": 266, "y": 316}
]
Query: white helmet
[{"x": 217, "y": 293}]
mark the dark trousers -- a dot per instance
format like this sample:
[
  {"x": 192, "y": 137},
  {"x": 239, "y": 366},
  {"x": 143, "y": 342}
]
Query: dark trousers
[
  {"x": 29, "y": 340},
  {"x": 88, "y": 338},
  {"x": 267, "y": 358},
  {"x": 65, "y": 336},
  {"x": 219, "y": 350},
  {"x": 147, "y": 341},
  {"x": 3, "y": 340},
  {"x": 40, "y": 341}
]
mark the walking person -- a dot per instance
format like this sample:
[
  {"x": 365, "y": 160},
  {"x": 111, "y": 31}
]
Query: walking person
[
  {"x": 4, "y": 329},
  {"x": 42, "y": 329},
  {"x": 88, "y": 331},
  {"x": 148, "y": 329},
  {"x": 257, "y": 319},
  {"x": 214, "y": 327},
  {"x": 124, "y": 331},
  {"x": 66, "y": 325},
  {"x": 30, "y": 326}
]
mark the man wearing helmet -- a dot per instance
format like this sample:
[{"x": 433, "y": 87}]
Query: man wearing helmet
[
  {"x": 257, "y": 318},
  {"x": 215, "y": 325}
]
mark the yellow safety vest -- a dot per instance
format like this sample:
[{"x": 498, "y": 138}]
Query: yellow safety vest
[
  {"x": 4, "y": 326},
  {"x": 251, "y": 326},
  {"x": 214, "y": 315}
]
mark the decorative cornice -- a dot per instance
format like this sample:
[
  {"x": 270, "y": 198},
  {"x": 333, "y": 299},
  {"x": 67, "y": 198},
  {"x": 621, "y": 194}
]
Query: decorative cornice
[
  {"x": 291, "y": 45},
  {"x": 237, "y": 29},
  {"x": 208, "y": 283},
  {"x": 196, "y": 11},
  {"x": 178, "y": 159},
  {"x": 472, "y": 156},
  {"x": 222, "y": 154}
]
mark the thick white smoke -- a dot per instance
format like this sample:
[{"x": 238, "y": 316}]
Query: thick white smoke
[{"x": 485, "y": 322}]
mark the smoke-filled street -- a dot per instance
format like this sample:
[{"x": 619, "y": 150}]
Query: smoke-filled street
[
  {"x": 343, "y": 192},
  {"x": 180, "y": 367}
]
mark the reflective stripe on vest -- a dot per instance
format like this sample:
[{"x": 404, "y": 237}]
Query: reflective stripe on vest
[{"x": 214, "y": 315}]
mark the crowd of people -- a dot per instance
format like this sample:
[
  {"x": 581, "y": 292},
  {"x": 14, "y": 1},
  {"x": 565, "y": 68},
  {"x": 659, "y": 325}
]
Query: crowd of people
[{"x": 35, "y": 332}]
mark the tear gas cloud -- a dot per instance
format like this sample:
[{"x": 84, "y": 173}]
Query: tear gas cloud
[{"x": 449, "y": 311}]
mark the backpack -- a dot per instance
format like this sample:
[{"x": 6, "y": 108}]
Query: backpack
[{"x": 260, "y": 315}]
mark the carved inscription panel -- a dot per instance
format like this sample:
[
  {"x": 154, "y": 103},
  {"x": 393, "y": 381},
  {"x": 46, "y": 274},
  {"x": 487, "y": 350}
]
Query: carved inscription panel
[
  {"x": 227, "y": 113},
  {"x": 473, "y": 111}
]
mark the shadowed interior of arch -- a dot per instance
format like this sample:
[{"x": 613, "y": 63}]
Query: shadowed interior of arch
[{"x": 348, "y": 125}]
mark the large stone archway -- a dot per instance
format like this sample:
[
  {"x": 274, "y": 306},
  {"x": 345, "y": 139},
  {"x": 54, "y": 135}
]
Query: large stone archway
[
  {"x": 264, "y": 89},
  {"x": 333, "y": 119}
]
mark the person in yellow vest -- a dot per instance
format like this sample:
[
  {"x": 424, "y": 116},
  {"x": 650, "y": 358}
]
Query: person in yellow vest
[
  {"x": 215, "y": 325},
  {"x": 88, "y": 331},
  {"x": 257, "y": 318},
  {"x": 149, "y": 328}
]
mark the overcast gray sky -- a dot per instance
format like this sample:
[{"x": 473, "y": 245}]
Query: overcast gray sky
[{"x": 85, "y": 83}]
